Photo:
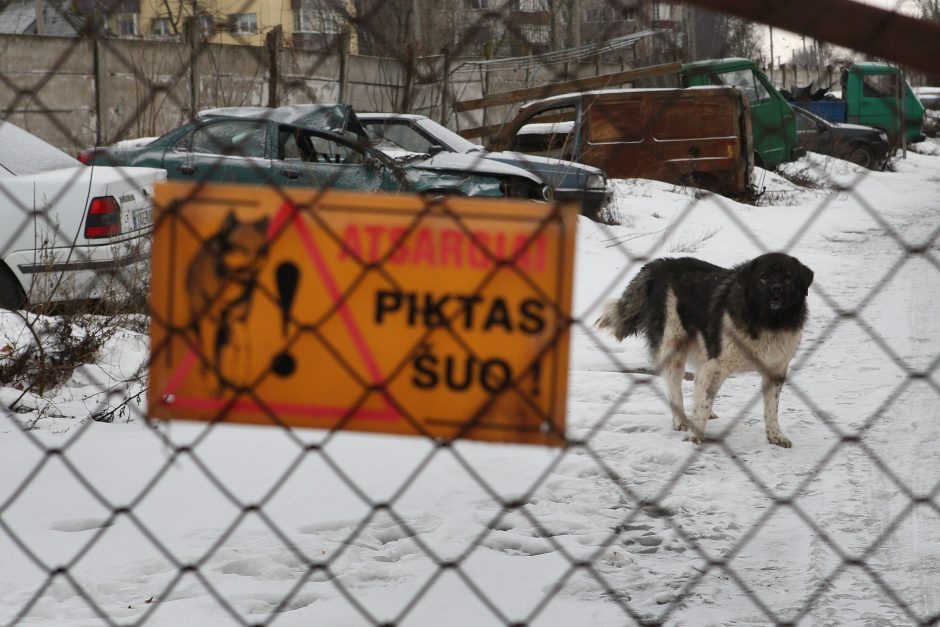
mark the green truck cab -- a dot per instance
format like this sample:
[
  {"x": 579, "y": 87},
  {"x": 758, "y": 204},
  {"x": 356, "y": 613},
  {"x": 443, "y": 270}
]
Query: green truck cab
[
  {"x": 773, "y": 121},
  {"x": 874, "y": 94},
  {"x": 872, "y": 97}
]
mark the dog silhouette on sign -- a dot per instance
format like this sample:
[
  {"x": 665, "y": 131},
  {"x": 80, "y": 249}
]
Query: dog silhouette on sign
[{"x": 221, "y": 281}]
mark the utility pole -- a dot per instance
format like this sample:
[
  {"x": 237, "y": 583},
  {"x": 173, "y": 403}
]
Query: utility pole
[
  {"x": 416, "y": 34},
  {"x": 577, "y": 23},
  {"x": 772, "y": 56}
]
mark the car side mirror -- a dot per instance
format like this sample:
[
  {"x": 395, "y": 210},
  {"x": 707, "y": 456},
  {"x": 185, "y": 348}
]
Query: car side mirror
[
  {"x": 822, "y": 128},
  {"x": 435, "y": 149}
]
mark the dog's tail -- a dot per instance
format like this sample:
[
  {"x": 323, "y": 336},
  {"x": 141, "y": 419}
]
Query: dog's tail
[{"x": 625, "y": 315}]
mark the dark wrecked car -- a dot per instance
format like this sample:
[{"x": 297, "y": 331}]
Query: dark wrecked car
[
  {"x": 862, "y": 145},
  {"x": 418, "y": 134},
  {"x": 313, "y": 145}
]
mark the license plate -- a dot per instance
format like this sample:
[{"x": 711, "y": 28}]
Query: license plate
[{"x": 141, "y": 218}]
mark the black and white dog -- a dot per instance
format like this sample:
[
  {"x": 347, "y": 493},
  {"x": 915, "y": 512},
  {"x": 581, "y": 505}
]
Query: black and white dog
[{"x": 725, "y": 321}]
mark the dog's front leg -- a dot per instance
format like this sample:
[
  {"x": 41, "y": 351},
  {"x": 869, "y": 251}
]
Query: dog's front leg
[
  {"x": 772, "y": 384},
  {"x": 708, "y": 380}
]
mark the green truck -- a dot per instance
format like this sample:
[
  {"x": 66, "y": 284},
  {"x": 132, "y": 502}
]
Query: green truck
[
  {"x": 773, "y": 121},
  {"x": 874, "y": 94}
]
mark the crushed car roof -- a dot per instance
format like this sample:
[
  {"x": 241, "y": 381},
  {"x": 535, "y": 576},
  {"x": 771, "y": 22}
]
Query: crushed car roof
[{"x": 319, "y": 117}]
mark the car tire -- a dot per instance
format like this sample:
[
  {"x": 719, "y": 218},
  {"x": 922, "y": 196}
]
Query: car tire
[
  {"x": 11, "y": 294},
  {"x": 860, "y": 154}
]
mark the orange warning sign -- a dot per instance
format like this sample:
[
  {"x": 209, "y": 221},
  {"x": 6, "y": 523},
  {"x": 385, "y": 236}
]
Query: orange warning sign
[{"x": 368, "y": 312}]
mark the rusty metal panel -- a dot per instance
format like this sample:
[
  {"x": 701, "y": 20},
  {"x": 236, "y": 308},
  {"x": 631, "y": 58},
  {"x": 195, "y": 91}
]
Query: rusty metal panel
[{"x": 672, "y": 135}]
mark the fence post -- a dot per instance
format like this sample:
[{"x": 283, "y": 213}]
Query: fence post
[
  {"x": 192, "y": 40},
  {"x": 408, "y": 60},
  {"x": 272, "y": 41},
  {"x": 344, "y": 43},
  {"x": 445, "y": 84},
  {"x": 96, "y": 53}
]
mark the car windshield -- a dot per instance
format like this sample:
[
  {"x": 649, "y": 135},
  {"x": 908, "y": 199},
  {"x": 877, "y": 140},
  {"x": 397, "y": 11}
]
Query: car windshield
[
  {"x": 451, "y": 140},
  {"x": 22, "y": 153},
  {"x": 382, "y": 143}
]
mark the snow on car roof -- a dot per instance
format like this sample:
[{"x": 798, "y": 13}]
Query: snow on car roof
[
  {"x": 544, "y": 128},
  {"x": 22, "y": 153}
]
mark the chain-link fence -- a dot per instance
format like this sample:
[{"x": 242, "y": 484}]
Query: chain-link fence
[{"x": 205, "y": 384}]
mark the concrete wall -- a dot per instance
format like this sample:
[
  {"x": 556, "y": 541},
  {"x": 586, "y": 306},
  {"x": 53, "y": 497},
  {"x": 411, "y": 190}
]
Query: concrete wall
[
  {"x": 47, "y": 87},
  {"x": 76, "y": 93}
]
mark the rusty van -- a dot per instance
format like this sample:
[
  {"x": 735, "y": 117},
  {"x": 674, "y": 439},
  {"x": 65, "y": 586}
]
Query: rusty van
[{"x": 699, "y": 136}]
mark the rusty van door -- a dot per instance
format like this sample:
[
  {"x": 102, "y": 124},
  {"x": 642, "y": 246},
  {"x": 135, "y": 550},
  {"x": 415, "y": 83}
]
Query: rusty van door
[{"x": 695, "y": 137}]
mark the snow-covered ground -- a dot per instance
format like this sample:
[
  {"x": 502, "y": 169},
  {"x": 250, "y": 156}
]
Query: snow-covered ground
[{"x": 635, "y": 524}]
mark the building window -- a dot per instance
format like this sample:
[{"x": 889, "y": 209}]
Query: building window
[
  {"x": 662, "y": 11},
  {"x": 324, "y": 21},
  {"x": 162, "y": 27},
  {"x": 478, "y": 5},
  {"x": 534, "y": 34},
  {"x": 243, "y": 23},
  {"x": 628, "y": 14},
  {"x": 532, "y": 6},
  {"x": 127, "y": 24},
  {"x": 602, "y": 14},
  {"x": 593, "y": 15},
  {"x": 206, "y": 25}
]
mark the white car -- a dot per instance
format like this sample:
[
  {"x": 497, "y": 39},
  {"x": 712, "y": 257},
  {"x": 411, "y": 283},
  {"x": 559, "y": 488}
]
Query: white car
[{"x": 71, "y": 232}]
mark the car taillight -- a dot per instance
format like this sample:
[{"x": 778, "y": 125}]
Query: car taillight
[{"x": 104, "y": 218}]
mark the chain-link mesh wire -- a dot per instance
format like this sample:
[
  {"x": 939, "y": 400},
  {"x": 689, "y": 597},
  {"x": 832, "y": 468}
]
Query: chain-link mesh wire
[{"x": 624, "y": 529}]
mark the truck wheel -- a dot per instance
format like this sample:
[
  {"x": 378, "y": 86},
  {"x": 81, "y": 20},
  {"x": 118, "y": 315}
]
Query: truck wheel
[
  {"x": 11, "y": 294},
  {"x": 702, "y": 181},
  {"x": 861, "y": 155}
]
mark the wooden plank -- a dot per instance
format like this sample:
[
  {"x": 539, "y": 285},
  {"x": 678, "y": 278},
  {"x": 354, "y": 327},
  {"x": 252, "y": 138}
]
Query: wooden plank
[
  {"x": 481, "y": 131},
  {"x": 580, "y": 84}
]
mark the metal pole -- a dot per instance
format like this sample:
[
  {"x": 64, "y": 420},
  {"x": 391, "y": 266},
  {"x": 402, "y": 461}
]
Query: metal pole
[
  {"x": 445, "y": 84},
  {"x": 772, "y": 55},
  {"x": 344, "y": 43},
  {"x": 902, "y": 97},
  {"x": 40, "y": 18}
]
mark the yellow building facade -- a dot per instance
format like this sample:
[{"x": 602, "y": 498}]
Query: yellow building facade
[{"x": 239, "y": 22}]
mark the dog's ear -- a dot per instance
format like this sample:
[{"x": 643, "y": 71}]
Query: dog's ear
[
  {"x": 745, "y": 274},
  {"x": 805, "y": 275}
]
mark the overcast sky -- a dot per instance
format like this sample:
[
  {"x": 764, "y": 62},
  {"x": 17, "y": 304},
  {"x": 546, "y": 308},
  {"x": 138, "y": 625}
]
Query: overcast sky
[{"x": 786, "y": 42}]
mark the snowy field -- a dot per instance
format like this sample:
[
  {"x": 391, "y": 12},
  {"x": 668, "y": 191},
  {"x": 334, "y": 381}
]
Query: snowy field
[{"x": 637, "y": 525}]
